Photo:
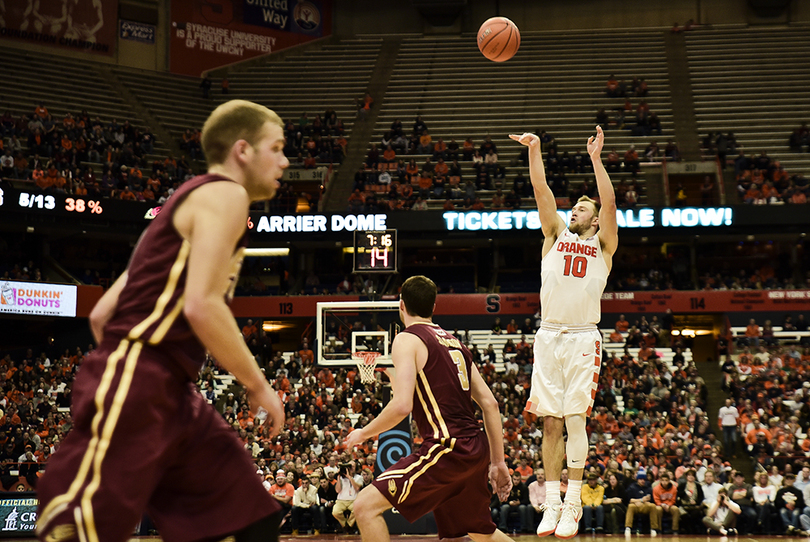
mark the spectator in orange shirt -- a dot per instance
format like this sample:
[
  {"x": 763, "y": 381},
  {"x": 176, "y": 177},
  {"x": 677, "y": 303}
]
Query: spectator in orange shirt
[
  {"x": 468, "y": 149},
  {"x": 612, "y": 87},
  {"x": 425, "y": 143},
  {"x": 524, "y": 469},
  {"x": 39, "y": 178},
  {"x": 664, "y": 496},
  {"x": 752, "y": 333},
  {"x": 425, "y": 182},
  {"x": 631, "y": 163},
  {"x": 249, "y": 330},
  {"x": 441, "y": 168},
  {"x": 440, "y": 149},
  {"x": 622, "y": 325},
  {"x": 282, "y": 491},
  {"x": 306, "y": 353},
  {"x": 389, "y": 155},
  {"x": 41, "y": 111},
  {"x": 128, "y": 195},
  {"x": 326, "y": 378}
]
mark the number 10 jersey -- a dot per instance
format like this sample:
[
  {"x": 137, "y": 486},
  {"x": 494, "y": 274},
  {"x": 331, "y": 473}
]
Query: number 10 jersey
[{"x": 574, "y": 274}]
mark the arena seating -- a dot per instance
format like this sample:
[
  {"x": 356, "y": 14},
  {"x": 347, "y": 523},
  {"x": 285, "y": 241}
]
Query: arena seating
[
  {"x": 310, "y": 81},
  {"x": 555, "y": 83},
  {"x": 783, "y": 337},
  {"x": 73, "y": 85},
  {"x": 752, "y": 82}
]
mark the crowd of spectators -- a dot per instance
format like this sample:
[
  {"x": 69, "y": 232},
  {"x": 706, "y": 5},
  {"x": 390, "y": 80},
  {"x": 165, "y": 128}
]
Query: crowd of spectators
[
  {"x": 654, "y": 450},
  {"x": 313, "y": 141},
  {"x": 639, "y": 119},
  {"x": 761, "y": 180},
  {"x": 387, "y": 181},
  {"x": 667, "y": 277},
  {"x": 58, "y": 154},
  {"x": 767, "y": 416},
  {"x": 34, "y": 411},
  {"x": 21, "y": 271}
]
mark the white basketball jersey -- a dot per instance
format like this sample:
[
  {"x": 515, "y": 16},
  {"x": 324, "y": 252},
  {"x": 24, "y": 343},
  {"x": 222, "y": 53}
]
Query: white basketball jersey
[{"x": 574, "y": 274}]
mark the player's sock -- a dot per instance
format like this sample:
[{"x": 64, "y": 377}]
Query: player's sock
[
  {"x": 553, "y": 492},
  {"x": 574, "y": 493}
]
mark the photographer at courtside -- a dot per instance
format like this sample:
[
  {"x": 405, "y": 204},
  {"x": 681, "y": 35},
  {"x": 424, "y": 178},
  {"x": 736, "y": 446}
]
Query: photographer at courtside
[
  {"x": 347, "y": 485},
  {"x": 722, "y": 514}
]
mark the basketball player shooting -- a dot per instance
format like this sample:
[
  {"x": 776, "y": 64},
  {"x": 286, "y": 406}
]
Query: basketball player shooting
[
  {"x": 577, "y": 258},
  {"x": 435, "y": 377}
]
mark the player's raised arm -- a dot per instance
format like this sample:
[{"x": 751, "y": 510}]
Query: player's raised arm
[
  {"x": 216, "y": 215},
  {"x": 546, "y": 205},
  {"x": 608, "y": 228},
  {"x": 498, "y": 473}
]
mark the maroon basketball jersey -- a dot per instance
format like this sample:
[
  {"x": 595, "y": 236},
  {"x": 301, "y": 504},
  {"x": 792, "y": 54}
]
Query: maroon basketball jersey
[
  {"x": 442, "y": 402},
  {"x": 150, "y": 307}
]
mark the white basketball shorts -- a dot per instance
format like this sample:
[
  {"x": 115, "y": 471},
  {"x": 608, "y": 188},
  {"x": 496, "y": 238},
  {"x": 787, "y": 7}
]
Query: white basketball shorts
[{"x": 567, "y": 360}]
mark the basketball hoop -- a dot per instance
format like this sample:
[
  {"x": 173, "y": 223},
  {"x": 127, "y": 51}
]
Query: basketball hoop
[{"x": 366, "y": 365}]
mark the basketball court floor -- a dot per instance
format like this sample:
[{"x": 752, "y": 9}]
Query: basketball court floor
[
  {"x": 533, "y": 538},
  {"x": 579, "y": 538}
]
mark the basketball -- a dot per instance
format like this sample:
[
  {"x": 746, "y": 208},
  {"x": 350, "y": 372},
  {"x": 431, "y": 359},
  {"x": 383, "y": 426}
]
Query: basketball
[{"x": 498, "y": 39}]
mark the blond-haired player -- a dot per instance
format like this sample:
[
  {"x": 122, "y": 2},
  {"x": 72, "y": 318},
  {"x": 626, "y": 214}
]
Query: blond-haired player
[
  {"x": 142, "y": 433},
  {"x": 577, "y": 258}
]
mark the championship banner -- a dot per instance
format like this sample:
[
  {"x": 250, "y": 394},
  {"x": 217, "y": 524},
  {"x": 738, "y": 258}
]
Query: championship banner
[
  {"x": 37, "y": 299},
  {"x": 75, "y": 25},
  {"x": 207, "y": 34}
]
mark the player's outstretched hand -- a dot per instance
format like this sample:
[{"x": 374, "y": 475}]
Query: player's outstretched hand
[
  {"x": 530, "y": 140},
  {"x": 595, "y": 144},
  {"x": 265, "y": 398},
  {"x": 500, "y": 480},
  {"x": 354, "y": 438}
]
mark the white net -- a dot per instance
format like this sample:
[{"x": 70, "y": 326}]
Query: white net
[{"x": 366, "y": 365}]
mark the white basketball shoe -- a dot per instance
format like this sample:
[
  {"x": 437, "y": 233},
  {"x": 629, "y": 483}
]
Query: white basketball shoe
[
  {"x": 551, "y": 515},
  {"x": 568, "y": 525}
]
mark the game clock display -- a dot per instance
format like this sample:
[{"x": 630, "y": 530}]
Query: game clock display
[{"x": 375, "y": 251}]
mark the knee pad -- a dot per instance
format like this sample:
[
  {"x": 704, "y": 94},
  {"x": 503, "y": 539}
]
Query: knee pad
[
  {"x": 260, "y": 531},
  {"x": 576, "y": 449}
]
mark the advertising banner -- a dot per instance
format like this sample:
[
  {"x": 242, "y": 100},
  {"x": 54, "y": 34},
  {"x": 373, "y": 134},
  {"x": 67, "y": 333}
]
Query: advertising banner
[
  {"x": 130, "y": 30},
  {"x": 76, "y": 25},
  {"x": 207, "y": 34},
  {"x": 37, "y": 299},
  {"x": 18, "y": 515},
  {"x": 525, "y": 304}
]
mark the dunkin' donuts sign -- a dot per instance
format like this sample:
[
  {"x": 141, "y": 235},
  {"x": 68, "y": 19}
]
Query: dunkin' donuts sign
[{"x": 37, "y": 299}]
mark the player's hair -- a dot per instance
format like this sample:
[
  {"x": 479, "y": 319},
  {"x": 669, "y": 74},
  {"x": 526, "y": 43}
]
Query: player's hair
[
  {"x": 230, "y": 122},
  {"x": 419, "y": 295},
  {"x": 589, "y": 200}
]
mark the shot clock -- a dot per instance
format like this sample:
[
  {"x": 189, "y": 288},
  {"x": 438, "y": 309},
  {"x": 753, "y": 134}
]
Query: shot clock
[{"x": 375, "y": 251}]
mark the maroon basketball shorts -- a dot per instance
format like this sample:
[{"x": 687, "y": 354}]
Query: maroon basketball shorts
[
  {"x": 450, "y": 480},
  {"x": 144, "y": 440}
]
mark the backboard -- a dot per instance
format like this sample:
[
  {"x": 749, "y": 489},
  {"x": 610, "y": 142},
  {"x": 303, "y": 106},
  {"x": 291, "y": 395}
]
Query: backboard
[{"x": 347, "y": 327}]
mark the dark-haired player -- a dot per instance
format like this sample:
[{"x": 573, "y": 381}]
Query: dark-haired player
[{"x": 435, "y": 378}]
